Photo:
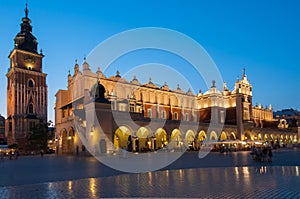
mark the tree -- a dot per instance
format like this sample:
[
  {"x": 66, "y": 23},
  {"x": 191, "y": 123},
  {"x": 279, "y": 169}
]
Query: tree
[{"x": 38, "y": 136}]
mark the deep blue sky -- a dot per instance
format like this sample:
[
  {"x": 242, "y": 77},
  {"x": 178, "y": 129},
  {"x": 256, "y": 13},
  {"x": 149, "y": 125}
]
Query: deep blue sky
[{"x": 262, "y": 36}]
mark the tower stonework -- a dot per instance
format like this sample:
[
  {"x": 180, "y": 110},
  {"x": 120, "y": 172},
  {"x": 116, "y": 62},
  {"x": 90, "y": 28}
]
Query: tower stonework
[
  {"x": 243, "y": 90},
  {"x": 26, "y": 86}
]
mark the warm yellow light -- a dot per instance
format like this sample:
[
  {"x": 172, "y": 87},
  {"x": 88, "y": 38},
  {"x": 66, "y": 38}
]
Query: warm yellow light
[
  {"x": 92, "y": 187},
  {"x": 92, "y": 131},
  {"x": 69, "y": 138},
  {"x": 29, "y": 66}
]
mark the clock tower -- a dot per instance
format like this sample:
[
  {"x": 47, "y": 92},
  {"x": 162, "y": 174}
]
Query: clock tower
[{"x": 26, "y": 86}]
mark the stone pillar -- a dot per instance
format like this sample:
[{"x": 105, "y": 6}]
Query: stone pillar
[
  {"x": 239, "y": 116},
  {"x": 133, "y": 144}
]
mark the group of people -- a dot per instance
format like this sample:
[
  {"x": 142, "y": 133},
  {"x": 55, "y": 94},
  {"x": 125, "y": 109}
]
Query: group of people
[
  {"x": 262, "y": 154},
  {"x": 12, "y": 155}
]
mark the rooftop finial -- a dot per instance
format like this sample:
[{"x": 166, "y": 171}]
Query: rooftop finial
[
  {"x": 213, "y": 84},
  {"x": 26, "y": 10},
  {"x": 118, "y": 73},
  {"x": 244, "y": 71},
  {"x": 98, "y": 77}
]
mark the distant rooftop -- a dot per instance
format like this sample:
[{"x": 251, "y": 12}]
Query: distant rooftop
[{"x": 287, "y": 112}]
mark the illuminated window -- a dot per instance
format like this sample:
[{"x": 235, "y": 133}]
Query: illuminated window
[
  {"x": 222, "y": 116},
  {"x": 131, "y": 108}
]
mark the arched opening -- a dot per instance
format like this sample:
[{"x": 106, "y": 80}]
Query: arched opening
[
  {"x": 248, "y": 136},
  {"x": 223, "y": 136},
  {"x": 30, "y": 108},
  {"x": 144, "y": 141},
  {"x": 176, "y": 138},
  {"x": 161, "y": 138},
  {"x": 232, "y": 136},
  {"x": 295, "y": 139},
  {"x": 259, "y": 136},
  {"x": 30, "y": 83},
  {"x": 281, "y": 140},
  {"x": 291, "y": 139},
  {"x": 213, "y": 136},
  {"x": 201, "y": 138},
  {"x": 121, "y": 137},
  {"x": 190, "y": 139},
  {"x": 266, "y": 137},
  {"x": 255, "y": 136}
]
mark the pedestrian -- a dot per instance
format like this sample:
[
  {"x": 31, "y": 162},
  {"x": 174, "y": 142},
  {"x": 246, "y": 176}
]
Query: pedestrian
[
  {"x": 270, "y": 154},
  {"x": 16, "y": 154},
  {"x": 10, "y": 154},
  {"x": 42, "y": 153},
  {"x": 77, "y": 150},
  {"x": 264, "y": 154}
]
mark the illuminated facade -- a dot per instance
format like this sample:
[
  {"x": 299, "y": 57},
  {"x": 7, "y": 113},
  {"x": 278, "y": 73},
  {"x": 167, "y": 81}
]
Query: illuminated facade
[
  {"x": 26, "y": 86},
  {"x": 161, "y": 116}
]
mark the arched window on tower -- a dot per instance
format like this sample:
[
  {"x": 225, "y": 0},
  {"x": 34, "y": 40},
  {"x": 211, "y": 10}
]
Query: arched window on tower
[
  {"x": 30, "y": 83},
  {"x": 30, "y": 108}
]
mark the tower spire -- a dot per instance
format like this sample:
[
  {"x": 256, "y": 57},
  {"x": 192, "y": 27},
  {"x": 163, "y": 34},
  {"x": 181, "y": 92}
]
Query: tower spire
[
  {"x": 25, "y": 40},
  {"x": 26, "y": 10}
]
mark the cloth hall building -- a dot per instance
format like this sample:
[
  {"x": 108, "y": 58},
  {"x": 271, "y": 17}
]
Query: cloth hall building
[{"x": 159, "y": 117}]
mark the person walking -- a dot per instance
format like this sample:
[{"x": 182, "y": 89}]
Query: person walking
[
  {"x": 42, "y": 153},
  {"x": 10, "y": 154},
  {"x": 16, "y": 154},
  {"x": 270, "y": 154}
]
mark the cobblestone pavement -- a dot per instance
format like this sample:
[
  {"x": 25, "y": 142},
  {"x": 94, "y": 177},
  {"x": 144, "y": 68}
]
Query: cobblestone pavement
[
  {"x": 234, "y": 182},
  {"x": 220, "y": 176}
]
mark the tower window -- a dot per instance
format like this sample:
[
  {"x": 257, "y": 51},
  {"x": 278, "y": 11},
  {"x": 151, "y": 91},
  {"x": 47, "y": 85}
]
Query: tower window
[
  {"x": 30, "y": 83},
  {"x": 10, "y": 126},
  {"x": 30, "y": 109}
]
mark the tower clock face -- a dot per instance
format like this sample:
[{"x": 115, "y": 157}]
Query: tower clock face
[{"x": 29, "y": 59}]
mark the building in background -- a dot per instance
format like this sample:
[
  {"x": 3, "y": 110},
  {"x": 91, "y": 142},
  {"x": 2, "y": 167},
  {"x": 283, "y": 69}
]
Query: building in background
[
  {"x": 288, "y": 118},
  {"x": 159, "y": 116},
  {"x": 2, "y": 131},
  {"x": 26, "y": 86}
]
